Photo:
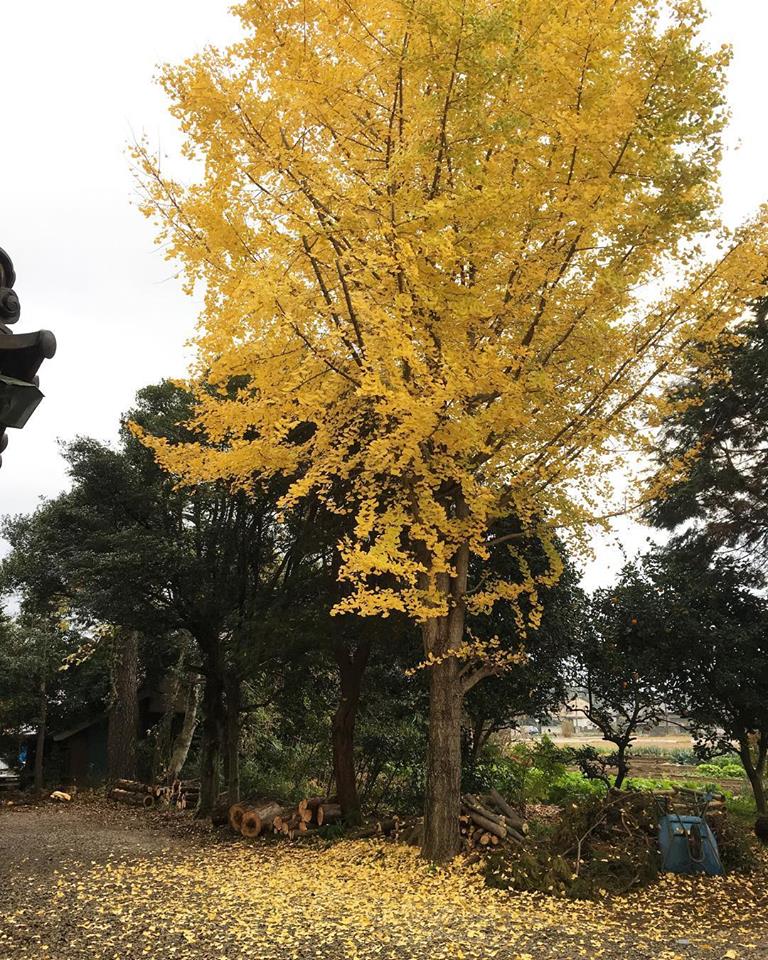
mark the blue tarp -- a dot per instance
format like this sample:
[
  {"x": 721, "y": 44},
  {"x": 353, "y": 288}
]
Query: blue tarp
[{"x": 688, "y": 846}]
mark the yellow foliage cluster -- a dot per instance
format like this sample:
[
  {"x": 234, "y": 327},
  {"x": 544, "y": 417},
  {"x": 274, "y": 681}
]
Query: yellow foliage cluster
[{"x": 452, "y": 250}]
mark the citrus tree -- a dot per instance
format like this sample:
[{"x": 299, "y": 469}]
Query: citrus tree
[{"x": 428, "y": 232}]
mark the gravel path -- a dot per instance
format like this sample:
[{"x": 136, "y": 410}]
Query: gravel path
[{"x": 100, "y": 882}]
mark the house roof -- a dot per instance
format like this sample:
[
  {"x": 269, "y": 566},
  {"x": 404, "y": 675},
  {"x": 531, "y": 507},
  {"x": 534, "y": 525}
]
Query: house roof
[{"x": 66, "y": 734}]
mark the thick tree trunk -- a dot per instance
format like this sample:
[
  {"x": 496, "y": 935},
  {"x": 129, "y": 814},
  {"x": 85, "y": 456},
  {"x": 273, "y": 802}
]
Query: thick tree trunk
[
  {"x": 443, "y": 787},
  {"x": 123, "y": 724},
  {"x": 213, "y": 732},
  {"x": 161, "y": 755},
  {"x": 233, "y": 692},
  {"x": 183, "y": 740},
  {"x": 442, "y": 636},
  {"x": 351, "y": 669},
  {"x": 40, "y": 741}
]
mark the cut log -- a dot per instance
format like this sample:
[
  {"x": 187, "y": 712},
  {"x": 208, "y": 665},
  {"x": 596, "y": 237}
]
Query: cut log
[
  {"x": 235, "y": 816},
  {"x": 473, "y": 805},
  {"x": 501, "y": 804},
  {"x": 378, "y": 828},
  {"x": 328, "y": 813},
  {"x": 250, "y": 823},
  {"x": 509, "y": 812},
  {"x": 306, "y": 816},
  {"x": 513, "y": 834},
  {"x": 134, "y": 786},
  {"x": 132, "y": 798},
  {"x": 490, "y": 826},
  {"x": 257, "y": 817},
  {"x": 485, "y": 839}
]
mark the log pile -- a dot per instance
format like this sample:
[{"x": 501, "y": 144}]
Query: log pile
[
  {"x": 489, "y": 821},
  {"x": 485, "y": 822},
  {"x": 180, "y": 795},
  {"x": 133, "y": 792},
  {"x": 183, "y": 794},
  {"x": 290, "y": 821}
]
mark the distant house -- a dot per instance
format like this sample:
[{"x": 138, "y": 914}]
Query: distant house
[
  {"x": 79, "y": 754},
  {"x": 569, "y": 720}
]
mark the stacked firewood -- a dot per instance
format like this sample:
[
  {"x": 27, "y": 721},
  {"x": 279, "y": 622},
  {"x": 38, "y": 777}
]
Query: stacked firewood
[
  {"x": 489, "y": 820},
  {"x": 134, "y": 793},
  {"x": 291, "y": 821},
  {"x": 184, "y": 794},
  {"x": 180, "y": 795},
  {"x": 484, "y": 823}
]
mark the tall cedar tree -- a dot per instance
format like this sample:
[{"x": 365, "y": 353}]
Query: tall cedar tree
[{"x": 426, "y": 230}]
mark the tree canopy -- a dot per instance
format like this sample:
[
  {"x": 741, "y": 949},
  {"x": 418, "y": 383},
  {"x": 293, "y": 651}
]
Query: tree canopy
[{"x": 430, "y": 250}]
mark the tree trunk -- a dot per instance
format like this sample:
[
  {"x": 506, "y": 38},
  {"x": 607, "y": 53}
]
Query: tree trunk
[
  {"x": 622, "y": 769},
  {"x": 213, "y": 732},
  {"x": 442, "y": 636},
  {"x": 755, "y": 771},
  {"x": 183, "y": 740},
  {"x": 40, "y": 742},
  {"x": 123, "y": 724},
  {"x": 351, "y": 669},
  {"x": 233, "y": 692},
  {"x": 443, "y": 788},
  {"x": 161, "y": 755}
]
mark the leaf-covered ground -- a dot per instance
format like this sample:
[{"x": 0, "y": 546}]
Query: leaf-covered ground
[{"x": 93, "y": 881}]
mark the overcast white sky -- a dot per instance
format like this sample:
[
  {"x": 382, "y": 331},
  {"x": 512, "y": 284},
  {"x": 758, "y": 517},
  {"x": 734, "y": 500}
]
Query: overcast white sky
[{"x": 77, "y": 84}]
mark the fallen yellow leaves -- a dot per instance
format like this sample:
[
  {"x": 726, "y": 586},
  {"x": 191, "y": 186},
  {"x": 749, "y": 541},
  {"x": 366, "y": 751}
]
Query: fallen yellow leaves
[{"x": 361, "y": 900}]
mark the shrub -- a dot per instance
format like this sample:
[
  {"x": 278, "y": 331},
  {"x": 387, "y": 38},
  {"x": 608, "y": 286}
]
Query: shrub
[
  {"x": 647, "y": 751},
  {"x": 574, "y": 788},
  {"x": 523, "y": 775}
]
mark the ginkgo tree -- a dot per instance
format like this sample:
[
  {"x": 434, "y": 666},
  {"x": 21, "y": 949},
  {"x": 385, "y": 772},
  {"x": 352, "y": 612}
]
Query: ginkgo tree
[{"x": 450, "y": 250}]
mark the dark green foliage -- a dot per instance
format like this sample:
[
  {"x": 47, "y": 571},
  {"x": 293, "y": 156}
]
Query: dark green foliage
[
  {"x": 594, "y": 764},
  {"x": 723, "y": 417},
  {"x": 536, "y": 686},
  {"x": 702, "y": 628},
  {"x": 616, "y": 671}
]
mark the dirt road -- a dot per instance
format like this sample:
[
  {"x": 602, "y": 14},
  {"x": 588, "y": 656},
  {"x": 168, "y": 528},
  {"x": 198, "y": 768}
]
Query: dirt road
[{"x": 98, "y": 882}]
